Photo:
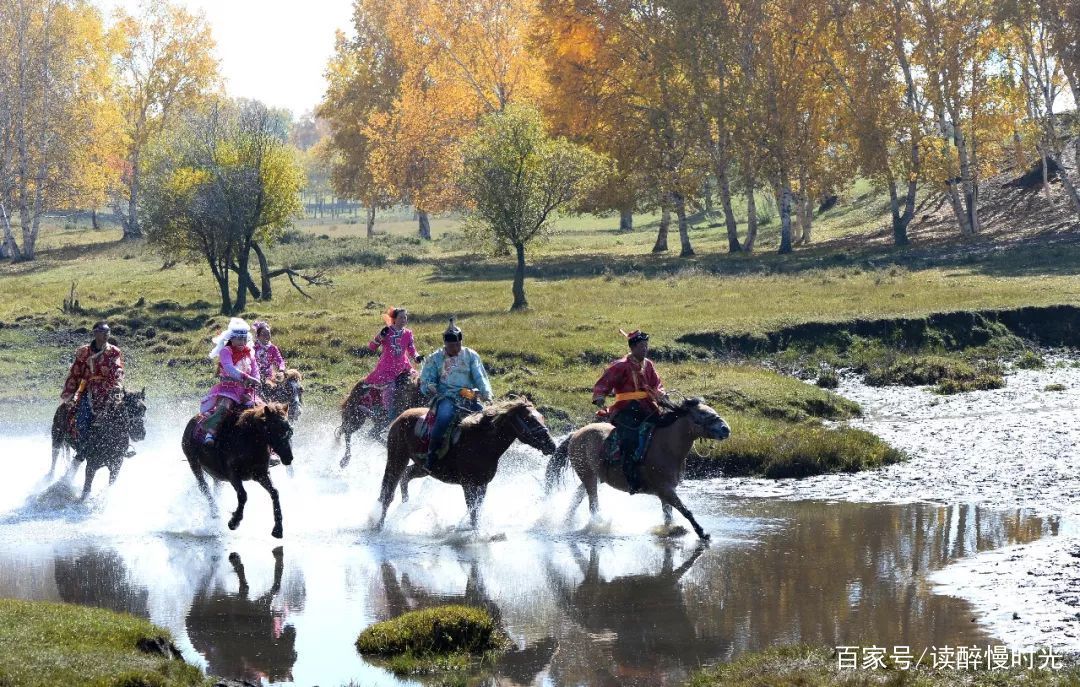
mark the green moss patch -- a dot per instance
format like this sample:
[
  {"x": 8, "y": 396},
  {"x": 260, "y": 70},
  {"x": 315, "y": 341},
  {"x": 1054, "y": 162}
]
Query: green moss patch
[
  {"x": 433, "y": 639},
  {"x": 47, "y": 644},
  {"x": 949, "y": 375}
]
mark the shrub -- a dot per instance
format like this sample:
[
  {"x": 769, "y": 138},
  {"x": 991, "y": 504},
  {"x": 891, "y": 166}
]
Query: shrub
[
  {"x": 828, "y": 379},
  {"x": 1054, "y": 387},
  {"x": 439, "y": 630},
  {"x": 1030, "y": 360}
]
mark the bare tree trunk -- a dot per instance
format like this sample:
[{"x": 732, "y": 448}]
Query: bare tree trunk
[
  {"x": 520, "y": 303},
  {"x": 370, "y": 221},
  {"x": 132, "y": 230},
  {"x": 706, "y": 195},
  {"x": 807, "y": 218},
  {"x": 899, "y": 220},
  {"x": 970, "y": 226},
  {"x": 626, "y": 221},
  {"x": 267, "y": 292},
  {"x": 661, "y": 236},
  {"x": 425, "y": 224},
  {"x": 729, "y": 214},
  {"x": 686, "y": 250},
  {"x": 751, "y": 212},
  {"x": 785, "y": 216},
  {"x": 93, "y": 220},
  {"x": 11, "y": 249}
]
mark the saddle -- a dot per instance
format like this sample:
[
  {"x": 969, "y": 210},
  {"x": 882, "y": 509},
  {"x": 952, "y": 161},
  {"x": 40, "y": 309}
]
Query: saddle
[
  {"x": 422, "y": 431},
  {"x": 613, "y": 453}
]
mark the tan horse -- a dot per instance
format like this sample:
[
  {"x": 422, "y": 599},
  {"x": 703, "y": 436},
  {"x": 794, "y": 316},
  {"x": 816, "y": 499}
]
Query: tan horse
[
  {"x": 662, "y": 468},
  {"x": 364, "y": 402},
  {"x": 472, "y": 461}
]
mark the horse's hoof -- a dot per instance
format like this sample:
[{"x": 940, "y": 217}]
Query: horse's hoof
[
  {"x": 233, "y": 524},
  {"x": 344, "y": 462},
  {"x": 276, "y": 532},
  {"x": 234, "y": 558},
  {"x": 704, "y": 536}
]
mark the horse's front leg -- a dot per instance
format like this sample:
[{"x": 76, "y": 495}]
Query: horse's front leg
[
  {"x": 241, "y": 499},
  {"x": 669, "y": 498},
  {"x": 474, "y": 498},
  {"x": 197, "y": 470},
  {"x": 264, "y": 480},
  {"x": 89, "y": 482}
]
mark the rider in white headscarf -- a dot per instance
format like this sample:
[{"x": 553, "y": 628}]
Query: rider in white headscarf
[{"x": 238, "y": 376}]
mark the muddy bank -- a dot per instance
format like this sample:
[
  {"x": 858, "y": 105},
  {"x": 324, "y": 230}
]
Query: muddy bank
[
  {"x": 1054, "y": 326},
  {"x": 1010, "y": 449}
]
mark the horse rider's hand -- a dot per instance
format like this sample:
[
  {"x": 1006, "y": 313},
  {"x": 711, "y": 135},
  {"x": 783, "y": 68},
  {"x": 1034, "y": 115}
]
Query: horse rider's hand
[
  {"x": 384, "y": 331},
  {"x": 599, "y": 402},
  {"x": 419, "y": 359}
]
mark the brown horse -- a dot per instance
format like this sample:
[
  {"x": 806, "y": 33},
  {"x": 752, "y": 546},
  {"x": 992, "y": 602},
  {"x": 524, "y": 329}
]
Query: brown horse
[
  {"x": 661, "y": 469},
  {"x": 288, "y": 389},
  {"x": 242, "y": 452},
  {"x": 364, "y": 401},
  {"x": 472, "y": 460},
  {"x": 107, "y": 439}
]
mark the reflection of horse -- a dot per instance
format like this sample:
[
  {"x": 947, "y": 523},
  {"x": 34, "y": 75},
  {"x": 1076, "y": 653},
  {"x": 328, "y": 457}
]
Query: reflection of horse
[
  {"x": 107, "y": 438},
  {"x": 661, "y": 468},
  {"x": 365, "y": 401},
  {"x": 244, "y": 638},
  {"x": 98, "y": 577},
  {"x": 288, "y": 389},
  {"x": 629, "y": 609},
  {"x": 472, "y": 460},
  {"x": 242, "y": 452}
]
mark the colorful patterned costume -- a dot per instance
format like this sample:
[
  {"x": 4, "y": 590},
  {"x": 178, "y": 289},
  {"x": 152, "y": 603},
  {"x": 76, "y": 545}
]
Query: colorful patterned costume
[
  {"x": 94, "y": 377},
  {"x": 232, "y": 366},
  {"x": 398, "y": 354},
  {"x": 269, "y": 360},
  {"x": 450, "y": 379}
]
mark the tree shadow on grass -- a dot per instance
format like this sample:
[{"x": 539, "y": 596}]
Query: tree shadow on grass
[{"x": 49, "y": 258}]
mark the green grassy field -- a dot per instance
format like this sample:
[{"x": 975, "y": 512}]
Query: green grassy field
[{"x": 582, "y": 286}]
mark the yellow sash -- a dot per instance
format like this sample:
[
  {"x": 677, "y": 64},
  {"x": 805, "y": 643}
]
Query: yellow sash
[{"x": 631, "y": 396}]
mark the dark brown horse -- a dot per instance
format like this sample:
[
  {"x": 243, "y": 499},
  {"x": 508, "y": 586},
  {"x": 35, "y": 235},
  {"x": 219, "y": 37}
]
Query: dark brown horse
[
  {"x": 364, "y": 402},
  {"x": 661, "y": 469},
  {"x": 287, "y": 389},
  {"x": 106, "y": 442},
  {"x": 242, "y": 453},
  {"x": 472, "y": 460}
]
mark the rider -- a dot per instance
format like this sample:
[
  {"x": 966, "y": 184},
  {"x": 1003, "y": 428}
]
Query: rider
[
  {"x": 398, "y": 354},
  {"x": 95, "y": 377},
  {"x": 455, "y": 376},
  {"x": 638, "y": 392},
  {"x": 266, "y": 353},
  {"x": 238, "y": 372}
]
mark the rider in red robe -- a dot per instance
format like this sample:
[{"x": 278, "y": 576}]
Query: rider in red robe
[
  {"x": 638, "y": 392},
  {"x": 95, "y": 376}
]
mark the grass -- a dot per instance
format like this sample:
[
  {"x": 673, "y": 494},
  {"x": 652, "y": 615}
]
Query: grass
[
  {"x": 443, "y": 638},
  {"x": 803, "y": 666},
  {"x": 948, "y": 375},
  {"x": 1055, "y": 387},
  {"x": 47, "y": 644},
  {"x": 583, "y": 285}
]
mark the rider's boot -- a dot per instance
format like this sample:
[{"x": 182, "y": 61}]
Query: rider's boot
[
  {"x": 429, "y": 463},
  {"x": 211, "y": 424}
]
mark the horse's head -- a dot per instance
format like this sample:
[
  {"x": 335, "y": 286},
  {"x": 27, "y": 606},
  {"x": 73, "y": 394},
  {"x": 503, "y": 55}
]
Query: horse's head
[
  {"x": 133, "y": 413},
  {"x": 273, "y": 420},
  {"x": 529, "y": 427},
  {"x": 707, "y": 420},
  {"x": 294, "y": 383}
]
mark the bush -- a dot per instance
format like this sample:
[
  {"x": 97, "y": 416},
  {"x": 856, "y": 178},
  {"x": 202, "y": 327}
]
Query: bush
[
  {"x": 828, "y": 379},
  {"x": 1030, "y": 360},
  {"x": 439, "y": 630},
  {"x": 1054, "y": 387},
  {"x": 951, "y": 375}
]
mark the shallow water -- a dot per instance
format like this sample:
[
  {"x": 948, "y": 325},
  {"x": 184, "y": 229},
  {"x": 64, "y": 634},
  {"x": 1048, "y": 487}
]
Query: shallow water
[{"x": 606, "y": 601}]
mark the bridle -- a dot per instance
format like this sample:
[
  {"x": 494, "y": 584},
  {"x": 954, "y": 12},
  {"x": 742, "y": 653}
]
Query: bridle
[{"x": 532, "y": 435}]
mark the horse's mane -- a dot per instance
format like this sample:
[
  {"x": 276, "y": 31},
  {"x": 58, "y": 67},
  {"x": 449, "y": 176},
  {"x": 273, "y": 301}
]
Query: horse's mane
[
  {"x": 260, "y": 413},
  {"x": 488, "y": 416},
  {"x": 674, "y": 411}
]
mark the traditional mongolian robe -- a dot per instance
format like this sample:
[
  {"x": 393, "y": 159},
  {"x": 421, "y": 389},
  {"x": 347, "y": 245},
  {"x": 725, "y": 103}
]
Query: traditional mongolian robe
[
  {"x": 269, "y": 358},
  {"x": 93, "y": 377},
  {"x": 232, "y": 366},
  {"x": 630, "y": 381},
  {"x": 398, "y": 352}
]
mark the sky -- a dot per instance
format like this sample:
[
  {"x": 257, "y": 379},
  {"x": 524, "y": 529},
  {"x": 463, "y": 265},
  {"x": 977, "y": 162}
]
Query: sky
[{"x": 270, "y": 50}]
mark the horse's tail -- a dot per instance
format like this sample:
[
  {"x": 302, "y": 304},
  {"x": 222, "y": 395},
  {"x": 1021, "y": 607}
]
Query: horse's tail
[{"x": 556, "y": 465}]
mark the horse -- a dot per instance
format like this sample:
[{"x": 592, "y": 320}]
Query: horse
[
  {"x": 470, "y": 462},
  {"x": 288, "y": 390},
  {"x": 364, "y": 401},
  {"x": 106, "y": 442},
  {"x": 242, "y": 453},
  {"x": 661, "y": 469}
]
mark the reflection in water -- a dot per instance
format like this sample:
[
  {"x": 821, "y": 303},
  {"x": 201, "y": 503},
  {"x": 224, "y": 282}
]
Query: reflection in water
[
  {"x": 246, "y": 638},
  {"x": 98, "y": 577}
]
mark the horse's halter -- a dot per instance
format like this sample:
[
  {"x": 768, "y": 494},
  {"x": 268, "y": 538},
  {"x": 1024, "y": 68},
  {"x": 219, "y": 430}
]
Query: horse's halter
[{"x": 529, "y": 434}]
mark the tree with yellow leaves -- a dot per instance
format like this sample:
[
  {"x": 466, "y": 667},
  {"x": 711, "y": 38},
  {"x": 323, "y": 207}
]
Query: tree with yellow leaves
[{"x": 164, "y": 65}]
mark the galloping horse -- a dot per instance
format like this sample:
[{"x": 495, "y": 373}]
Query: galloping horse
[
  {"x": 288, "y": 390},
  {"x": 242, "y": 452},
  {"x": 472, "y": 461},
  {"x": 661, "y": 468},
  {"x": 363, "y": 403},
  {"x": 107, "y": 438}
]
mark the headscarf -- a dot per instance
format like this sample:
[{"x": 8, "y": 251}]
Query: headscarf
[
  {"x": 259, "y": 325},
  {"x": 237, "y": 327}
]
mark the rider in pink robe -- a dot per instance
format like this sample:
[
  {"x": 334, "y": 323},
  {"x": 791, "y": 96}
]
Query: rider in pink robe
[{"x": 398, "y": 353}]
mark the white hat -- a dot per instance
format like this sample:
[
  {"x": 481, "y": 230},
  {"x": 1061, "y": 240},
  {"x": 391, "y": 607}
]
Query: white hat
[{"x": 237, "y": 328}]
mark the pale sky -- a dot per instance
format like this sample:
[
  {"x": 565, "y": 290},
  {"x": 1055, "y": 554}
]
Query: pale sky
[{"x": 270, "y": 50}]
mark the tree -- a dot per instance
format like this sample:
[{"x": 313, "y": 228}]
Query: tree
[
  {"x": 165, "y": 64},
  {"x": 517, "y": 178},
  {"x": 57, "y": 127},
  {"x": 226, "y": 183}
]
